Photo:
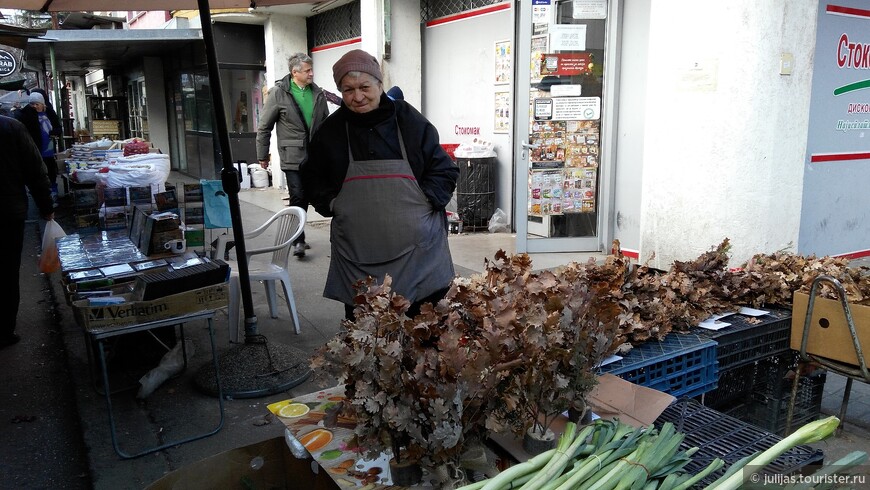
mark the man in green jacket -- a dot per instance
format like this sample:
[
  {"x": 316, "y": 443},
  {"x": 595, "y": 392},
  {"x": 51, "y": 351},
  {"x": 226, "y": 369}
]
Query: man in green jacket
[{"x": 295, "y": 107}]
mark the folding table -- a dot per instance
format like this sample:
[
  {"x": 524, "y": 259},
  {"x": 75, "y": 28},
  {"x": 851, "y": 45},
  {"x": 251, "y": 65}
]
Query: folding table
[{"x": 99, "y": 335}]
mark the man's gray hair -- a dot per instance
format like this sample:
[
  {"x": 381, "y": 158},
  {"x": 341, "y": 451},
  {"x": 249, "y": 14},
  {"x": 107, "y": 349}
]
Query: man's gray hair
[{"x": 296, "y": 59}]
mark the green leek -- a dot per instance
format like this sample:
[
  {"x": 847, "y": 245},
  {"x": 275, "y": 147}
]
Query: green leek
[{"x": 812, "y": 432}]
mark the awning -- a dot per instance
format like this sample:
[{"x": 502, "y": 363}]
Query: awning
[
  {"x": 16, "y": 37},
  {"x": 84, "y": 50}
]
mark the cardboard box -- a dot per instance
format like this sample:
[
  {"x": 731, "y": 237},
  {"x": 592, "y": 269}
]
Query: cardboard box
[
  {"x": 639, "y": 406},
  {"x": 158, "y": 230},
  {"x": 266, "y": 464},
  {"x": 132, "y": 312},
  {"x": 829, "y": 332},
  {"x": 161, "y": 238},
  {"x": 612, "y": 398}
]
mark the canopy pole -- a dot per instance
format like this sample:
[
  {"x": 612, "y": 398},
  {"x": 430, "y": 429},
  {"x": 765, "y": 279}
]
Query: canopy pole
[
  {"x": 229, "y": 174},
  {"x": 57, "y": 86},
  {"x": 256, "y": 367}
]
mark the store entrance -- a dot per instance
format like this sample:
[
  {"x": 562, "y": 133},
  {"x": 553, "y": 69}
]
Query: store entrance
[{"x": 562, "y": 169}]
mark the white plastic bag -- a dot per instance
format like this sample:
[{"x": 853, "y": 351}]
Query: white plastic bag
[
  {"x": 49, "y": 259},
  {"x": 170, "y": 364},
  {"x": 499, "y": 222},
  {"x": 139, "y": 170}
]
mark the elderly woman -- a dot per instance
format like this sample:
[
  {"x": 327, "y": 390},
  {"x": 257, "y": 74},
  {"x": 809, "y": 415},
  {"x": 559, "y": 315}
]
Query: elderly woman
[{"x": 377, "y": 168}]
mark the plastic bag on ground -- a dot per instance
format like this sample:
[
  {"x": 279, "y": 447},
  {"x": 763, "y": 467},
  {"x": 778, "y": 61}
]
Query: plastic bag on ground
[
  {"x": 170, "y": 364},
  {"x": 49, "y": 259},
  {"x": 498, "y": 223}
]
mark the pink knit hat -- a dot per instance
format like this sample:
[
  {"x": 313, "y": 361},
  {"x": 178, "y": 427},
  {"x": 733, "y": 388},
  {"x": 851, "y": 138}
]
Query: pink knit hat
[{"x": 356, "y": 60}]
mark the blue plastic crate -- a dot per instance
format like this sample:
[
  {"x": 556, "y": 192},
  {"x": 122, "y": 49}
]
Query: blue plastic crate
[{"x": 681, "y": 365}]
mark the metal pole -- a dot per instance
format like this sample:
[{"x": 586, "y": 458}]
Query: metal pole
[
  {"x": 229, "y": 174},
  {"x": 256, "y": 367}
]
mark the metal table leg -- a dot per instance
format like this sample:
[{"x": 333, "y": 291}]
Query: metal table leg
[
  {"x": 135, "y": 383},
  {"x": 115, "y": 444}
]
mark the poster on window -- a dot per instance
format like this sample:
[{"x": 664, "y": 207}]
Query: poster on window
[
  {"x": 545, "y": 192},
  {"x": 539, "y": 48},
  {"x": 548, "y": 144},
  {"x": 503, "y": 62},
  {"x": 582, "y": 143},
  {"x": 502, "y": 112},
  {"x": 579, "y": 190},
  {"x": 589, "y": 9}
]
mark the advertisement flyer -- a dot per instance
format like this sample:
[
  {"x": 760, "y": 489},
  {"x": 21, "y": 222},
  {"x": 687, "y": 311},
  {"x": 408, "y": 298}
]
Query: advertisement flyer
[
  {"x": 546, "y": 192},
  {"x": 503, "y": 62}
]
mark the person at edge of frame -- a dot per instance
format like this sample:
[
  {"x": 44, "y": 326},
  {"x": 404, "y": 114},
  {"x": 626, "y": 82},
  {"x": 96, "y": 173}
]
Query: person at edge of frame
[
  {"x": 41, "y": 121},
  {"x": 295, "y": 107},
  {"x": 24, "y": 171},
  {"x": 377, "y": 168}
]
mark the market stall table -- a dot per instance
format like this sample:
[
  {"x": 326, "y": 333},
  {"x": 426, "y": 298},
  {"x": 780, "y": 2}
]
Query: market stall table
[
  {"x": 99, "y": 335},
  {"x": 103, "y": 320},
  {"x": 330, "y": 444}
]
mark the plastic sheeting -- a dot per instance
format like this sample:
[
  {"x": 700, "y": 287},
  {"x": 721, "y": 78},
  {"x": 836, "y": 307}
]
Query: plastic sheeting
[{"x": 139, "y": 171}]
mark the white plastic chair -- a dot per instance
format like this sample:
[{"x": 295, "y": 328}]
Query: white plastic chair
[{"x": 286, "y": 225}]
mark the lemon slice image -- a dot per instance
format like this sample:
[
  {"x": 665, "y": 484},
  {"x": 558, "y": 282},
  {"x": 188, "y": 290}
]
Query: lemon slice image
[{"x": 293, "y": 410}]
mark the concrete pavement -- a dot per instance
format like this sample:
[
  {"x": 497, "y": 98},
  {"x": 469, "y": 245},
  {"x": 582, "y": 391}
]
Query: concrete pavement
[{"x": 48, "y": 376}]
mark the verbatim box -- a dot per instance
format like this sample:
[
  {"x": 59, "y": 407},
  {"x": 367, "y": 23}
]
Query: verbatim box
[
  {"x": 829, "y": 334},
  {"x": 133, "y": 312}
]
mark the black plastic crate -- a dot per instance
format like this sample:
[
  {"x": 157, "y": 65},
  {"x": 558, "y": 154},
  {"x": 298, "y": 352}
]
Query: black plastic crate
[
  {"x": 744, "y": 342},
  {"x": 774, "y": 375},
  {"x": 738, "y": 411},
  {"x": 680, "y": 365},
  {"x": 768, "y": 406},
  {"x": 733, "y": 388},
  {"x": 720, "y": 436}
]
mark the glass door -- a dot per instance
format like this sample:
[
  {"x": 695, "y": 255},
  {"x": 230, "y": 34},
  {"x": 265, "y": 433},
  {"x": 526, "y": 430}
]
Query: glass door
[
  {"x": 137, "y": 110},
  {"x": 563, "y": 172}
]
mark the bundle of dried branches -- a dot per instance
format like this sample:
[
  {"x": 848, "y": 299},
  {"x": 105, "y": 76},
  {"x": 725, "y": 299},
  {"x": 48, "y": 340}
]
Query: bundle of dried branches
[
  {"x": 772, "y": 279},
  {"x": 657, "y": 302},
  {"x": 503, "y": 349},
  {"x": 510, "y": 347}
]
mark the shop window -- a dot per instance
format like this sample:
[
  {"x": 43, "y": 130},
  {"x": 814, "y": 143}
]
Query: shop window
[{"x": 243, "y": 99}]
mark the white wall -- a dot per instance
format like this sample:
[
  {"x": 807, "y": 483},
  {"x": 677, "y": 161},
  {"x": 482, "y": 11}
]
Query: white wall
[
  {"x": 323, "y": 61},
  {"x": 458, "y": 90},
  {"x": 158, "y": 116},
  {"x": 725, "y": 132},
  {"x": 404, "y": 68},
  {"x": 372, "y": 27},
  {"x": 284, "y": 35},
  {"x": 631, "y": 116}
]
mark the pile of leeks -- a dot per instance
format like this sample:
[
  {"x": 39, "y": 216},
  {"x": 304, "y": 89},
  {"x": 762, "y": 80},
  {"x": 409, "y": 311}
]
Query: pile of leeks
[{"x": 610, "y": 455}]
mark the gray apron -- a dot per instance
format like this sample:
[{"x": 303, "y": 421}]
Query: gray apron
[{"x": 383, "y": 224}]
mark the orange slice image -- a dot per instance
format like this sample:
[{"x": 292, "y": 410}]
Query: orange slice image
[{"x": 316, "y": 439}]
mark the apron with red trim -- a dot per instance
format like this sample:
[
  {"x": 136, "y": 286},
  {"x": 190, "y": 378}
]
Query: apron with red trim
[{"x": 383, "y": 224}]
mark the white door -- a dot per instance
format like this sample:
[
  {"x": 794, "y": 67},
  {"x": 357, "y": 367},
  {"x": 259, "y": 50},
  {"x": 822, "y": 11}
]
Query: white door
[{"x": 565, "y": 77}]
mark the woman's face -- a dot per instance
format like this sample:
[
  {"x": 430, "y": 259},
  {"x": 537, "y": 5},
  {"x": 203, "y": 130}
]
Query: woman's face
[{"x": 361, "y": 92}]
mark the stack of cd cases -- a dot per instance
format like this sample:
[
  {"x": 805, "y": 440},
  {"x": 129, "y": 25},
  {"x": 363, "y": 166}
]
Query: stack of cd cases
[{"x": 180, "y": 277}]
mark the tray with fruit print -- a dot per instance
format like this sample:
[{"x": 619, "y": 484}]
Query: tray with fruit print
[{"x": 314, "y": 421}]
